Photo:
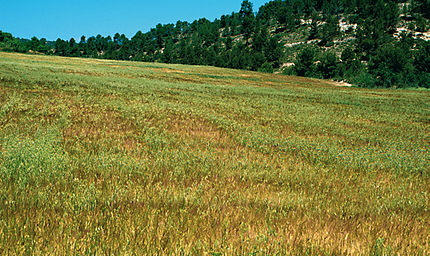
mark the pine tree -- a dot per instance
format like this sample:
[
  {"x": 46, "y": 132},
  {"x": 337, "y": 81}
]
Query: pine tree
[
  {"x": 247, "y": 18},
  {"x": 304, "y": 64}
]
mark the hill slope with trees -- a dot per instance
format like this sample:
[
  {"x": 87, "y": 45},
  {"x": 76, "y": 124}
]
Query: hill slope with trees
[{"x": 383, "y": 43}]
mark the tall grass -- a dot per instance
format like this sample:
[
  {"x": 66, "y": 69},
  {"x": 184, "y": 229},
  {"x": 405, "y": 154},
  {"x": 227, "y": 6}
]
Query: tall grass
[
  {"x": 107, "y": 157},
  {"x": 31, "y": 161}
]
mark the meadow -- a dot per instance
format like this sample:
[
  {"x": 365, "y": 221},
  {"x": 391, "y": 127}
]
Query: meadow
[{"x": 101, "y": 157}]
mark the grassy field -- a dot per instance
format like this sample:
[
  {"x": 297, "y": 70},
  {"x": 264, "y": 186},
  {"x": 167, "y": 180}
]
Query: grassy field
[{"x": 105, "y": 157}]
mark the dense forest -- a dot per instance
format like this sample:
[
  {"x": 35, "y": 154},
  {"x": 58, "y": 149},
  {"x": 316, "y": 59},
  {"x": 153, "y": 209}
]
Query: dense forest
[{"x": 368, "y": 43}]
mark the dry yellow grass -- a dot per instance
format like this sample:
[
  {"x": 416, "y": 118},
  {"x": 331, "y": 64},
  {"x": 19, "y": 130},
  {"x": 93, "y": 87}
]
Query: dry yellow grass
[{"x": 107, "y": 157}]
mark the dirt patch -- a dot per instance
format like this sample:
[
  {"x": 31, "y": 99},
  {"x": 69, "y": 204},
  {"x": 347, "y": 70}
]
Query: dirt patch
[{"x": 340, "y": 84}]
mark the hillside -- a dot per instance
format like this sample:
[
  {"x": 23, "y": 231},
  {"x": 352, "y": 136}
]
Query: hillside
[
  {"x": 115, "y": 157},
  {"x": 383, "y": 43}
]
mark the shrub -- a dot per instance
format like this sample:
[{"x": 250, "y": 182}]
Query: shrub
[
  {"x": 304, "y": 64},
  {"x": 327, "y": 66},
  {"x": 364, "y": 79},
  {"x": 266, "y": 67},
  {"x": 390, "y": 65}
]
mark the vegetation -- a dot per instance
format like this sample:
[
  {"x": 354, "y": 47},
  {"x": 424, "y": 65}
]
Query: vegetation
[
  {"x": 114, "y": 157},
  {"x": 256, "y": 41}
]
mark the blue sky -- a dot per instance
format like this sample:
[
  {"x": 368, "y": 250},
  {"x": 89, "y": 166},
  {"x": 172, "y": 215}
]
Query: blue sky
[{"x": 54, "y": 19}]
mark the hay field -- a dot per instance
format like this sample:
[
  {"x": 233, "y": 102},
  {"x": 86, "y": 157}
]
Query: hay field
[{"x": 103, "y": 157}]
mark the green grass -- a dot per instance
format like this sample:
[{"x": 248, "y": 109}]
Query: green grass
[{"x": 108, "y": 157}]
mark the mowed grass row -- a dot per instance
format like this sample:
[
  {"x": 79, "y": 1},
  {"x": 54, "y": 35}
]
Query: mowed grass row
[{"x": 108, "y": 157}]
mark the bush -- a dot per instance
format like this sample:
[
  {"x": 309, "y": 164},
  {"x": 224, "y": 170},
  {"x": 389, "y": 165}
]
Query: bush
[
  {"x": 327, "y": 66},
  {"x": 423, "y": 79},
  {"x": 421, "y": 24},
  {"x": 266, "y": 68},
  {"x": 363, "y": 79},
  {"x": 392, "y": 66},
  {"x": 289, "y": 71},
  {"x": 304, "y": 64}
]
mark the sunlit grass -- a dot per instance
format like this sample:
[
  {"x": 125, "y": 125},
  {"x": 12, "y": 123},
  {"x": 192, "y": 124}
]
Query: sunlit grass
[{"x": 106, "y": 157}]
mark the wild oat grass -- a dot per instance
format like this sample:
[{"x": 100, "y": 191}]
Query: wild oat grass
[{"x": 127, "y": 158}]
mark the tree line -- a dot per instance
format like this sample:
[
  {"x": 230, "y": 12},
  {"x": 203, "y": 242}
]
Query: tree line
[{"x": 254, "y": 41}]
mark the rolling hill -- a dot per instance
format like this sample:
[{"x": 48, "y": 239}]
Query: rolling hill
[
  {"x": 118, "y": 157},
  {"x": 383, "y": 43}
]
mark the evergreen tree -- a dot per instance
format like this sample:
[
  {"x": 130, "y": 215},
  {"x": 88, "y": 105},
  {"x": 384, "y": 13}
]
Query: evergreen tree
[
  {"x": 247, "y": 18},
  {"x": 266, "y": 68},
  {"x": 329, "y": 30},
  {"x": 273, "y": 51},
  {"x": 390, "y": 66},
  {"x": 304, "y": 64},
  {"x": 287, "y": 17},
  {"x": 60, "y": 47},
  {"x": 245, "y": 41},
  {"x": 328, "y": 65}
]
